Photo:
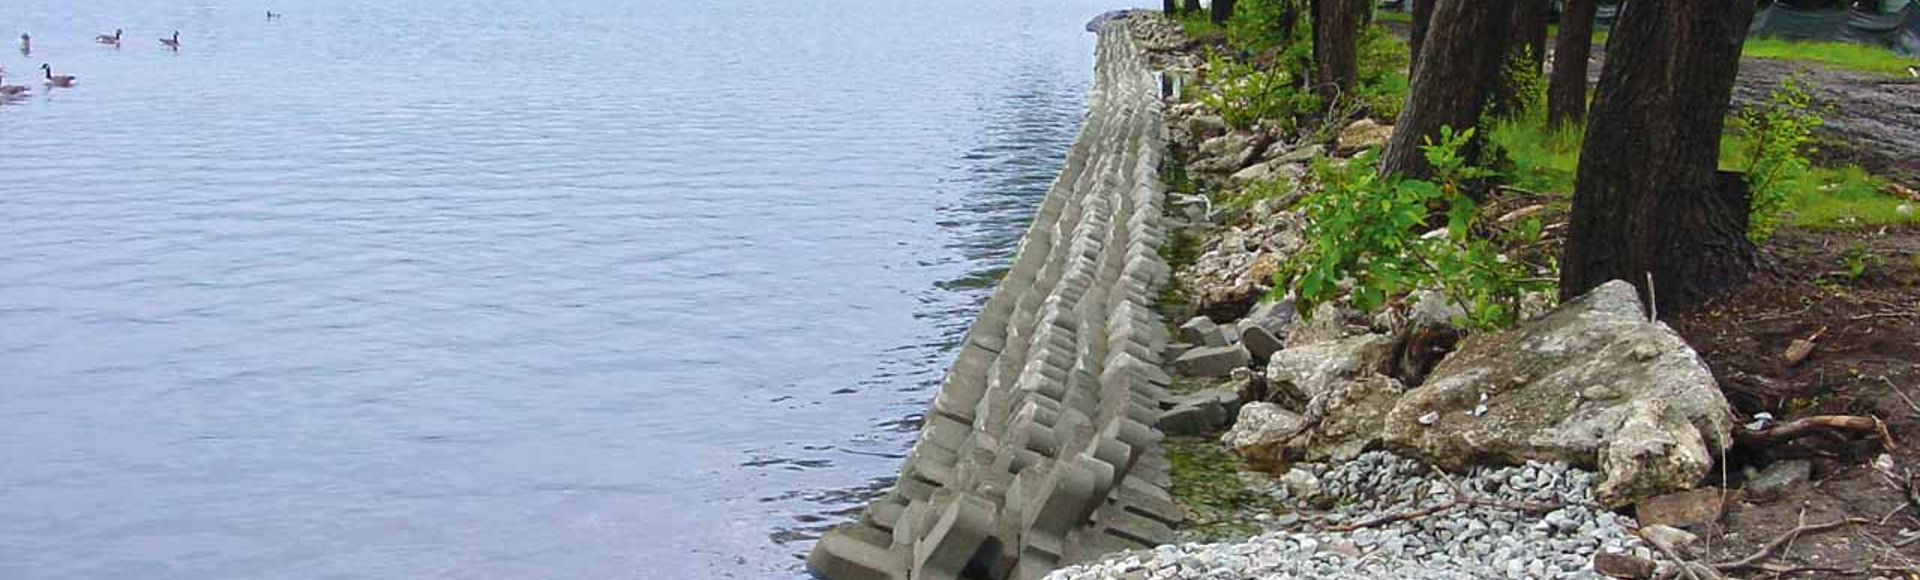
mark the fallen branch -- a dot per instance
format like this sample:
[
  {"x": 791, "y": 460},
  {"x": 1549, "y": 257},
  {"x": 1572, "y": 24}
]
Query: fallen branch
[
  {"x": 1805, "y": 426},
  {"x": 1461, "y": 499},
  {"x": 1752, "y": 559}
]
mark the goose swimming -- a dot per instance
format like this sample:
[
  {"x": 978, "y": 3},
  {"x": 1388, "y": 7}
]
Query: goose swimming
[
  {"x": 57, "y": 80},
  {"x": 113, "y": 40},
  {"x": 173, "y": 43}
]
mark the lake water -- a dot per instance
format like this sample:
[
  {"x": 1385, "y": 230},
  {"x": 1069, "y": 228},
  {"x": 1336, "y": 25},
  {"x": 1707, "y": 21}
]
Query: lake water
[{"x": 496, "y": 288}]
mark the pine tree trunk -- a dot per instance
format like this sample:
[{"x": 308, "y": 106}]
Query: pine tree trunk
[
  {"x": 1222, "y": 11},
  {"x": 1422, "y": 16},
  {"x": 1567, "y": 89},
  {"x": 1190, "y": 6},
  {"x": 1648, "y": 199},
  {"x": 1336, "y": 45},
  {"x": 1457, "y": 69},
  {"x": 1170, "y": 6}
]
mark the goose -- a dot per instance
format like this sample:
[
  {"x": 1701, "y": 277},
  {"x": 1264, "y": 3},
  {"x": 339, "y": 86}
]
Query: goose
[
  {"x": 10, "y": 91},
  {"x": 26, "y": 44},
  {"x": 113, "y": 40},
  {"x": 57, "y": 80},
  {"x": 173, "y": 43},
  {"x": 272, "y": 15}
]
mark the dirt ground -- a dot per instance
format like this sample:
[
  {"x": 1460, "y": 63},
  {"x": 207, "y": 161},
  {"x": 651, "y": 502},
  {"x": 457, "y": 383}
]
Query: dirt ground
[{"x": 1858, "y": 292}]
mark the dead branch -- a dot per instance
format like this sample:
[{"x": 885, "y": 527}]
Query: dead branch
[
  {"x": 1805, "y": 426},
  {"x": 1752, "y": 559}
]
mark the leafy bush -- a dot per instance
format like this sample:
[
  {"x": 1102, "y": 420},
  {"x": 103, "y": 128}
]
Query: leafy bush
[
  {"x": 1244, "y": 94},
  {"x": 1769, "y": 139},
  {"x": 1367, "y": 228},
  {"x": 1382, "y": 84}
]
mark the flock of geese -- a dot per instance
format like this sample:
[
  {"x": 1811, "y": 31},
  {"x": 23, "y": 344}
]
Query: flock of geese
[{"x": 63, "y": 81}]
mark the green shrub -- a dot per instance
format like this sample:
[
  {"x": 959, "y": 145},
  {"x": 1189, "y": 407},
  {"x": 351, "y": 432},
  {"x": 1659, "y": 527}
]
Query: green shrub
[
  {"x": 1368, "y": 229},
  {"x": 1769, "y": 140},
  {"x": 1382, "y": 84},
  {"x": 1244, "y": 94}
]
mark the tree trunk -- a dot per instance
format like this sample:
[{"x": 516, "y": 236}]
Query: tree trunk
[
  {"x": 1422, "y": 15},
  {"x": 1567, "y": 89},
  {"x": 1222, "y": 11},
  {"x": 1336, "y": 45},
  {"x": 1526, "y": 47},
  {"x": 1190, "y": 6},
  {"x": 1648, "y": 200},
  {"x": 1170, "y": 6},
  {"x": 1455, "y": 72}
]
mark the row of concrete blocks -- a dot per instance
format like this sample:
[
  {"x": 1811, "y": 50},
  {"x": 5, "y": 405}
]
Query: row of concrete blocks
[{"x": 1039, "y": 450}]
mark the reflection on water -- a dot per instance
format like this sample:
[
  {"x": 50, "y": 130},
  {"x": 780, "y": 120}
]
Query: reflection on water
[{"x": 497, "y": 289}]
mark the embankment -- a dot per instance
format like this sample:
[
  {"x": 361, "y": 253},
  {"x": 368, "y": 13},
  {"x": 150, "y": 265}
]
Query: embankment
[{"x": 1039, "y": 450}]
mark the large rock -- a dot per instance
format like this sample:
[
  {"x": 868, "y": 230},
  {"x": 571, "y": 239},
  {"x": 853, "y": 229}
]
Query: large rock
[
  {"x": 1329, "y": 322},
  {"x": 1305, "y": 372},
  {"x": 1594, "y": 384},
  {"x": 1364, "y": 134},
  {"x": 1347, "y": 419},
  {"x": 1204, "y": 127},
  {"x": 1269, "y": 171},
  {"x": 1224, "y": 154},
  {"x": 1202, "y": 331},
  {"x": 1261, "y": 430},
  {"x": 1237, "y": 268},
  {"x": 1213, "y": 361}
]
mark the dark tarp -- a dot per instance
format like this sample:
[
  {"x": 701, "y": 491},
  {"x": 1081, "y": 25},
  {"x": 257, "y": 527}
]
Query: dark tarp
[{"x": 1889, "y": 29}]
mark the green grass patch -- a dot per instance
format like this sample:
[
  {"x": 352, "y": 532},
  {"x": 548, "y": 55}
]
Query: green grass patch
[
  {"x": 1547, "y": 161},
  {"x": 1199, "y": 23},
  {"x": 1842, "y": 55},
  {"x": 1845, "y": 197},
  {"x": 1207, "y": 480}
]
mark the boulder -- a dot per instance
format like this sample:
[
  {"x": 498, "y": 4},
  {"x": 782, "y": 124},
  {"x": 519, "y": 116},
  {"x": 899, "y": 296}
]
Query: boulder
[
  {"x": 1204, "y": 127},
  {"x": 1778, "y": 479},
  {"x": 1593, "y": 384},
  {"x": 1261, "y": 429},
  {"x": 1260, "y": 342},
  {"x": 1305, "y": 372},
  {"x": 1195, "y": 417},
  {"x": 1273, "y": 315},
  {"x": 1285, "y": 153},
  {"x": 1225, "y": 154},
  {"x": 1346, "y": 420},
  {"x": 1212, "y": 361},
  {"x": 1269, "y": 171},
  {"x": 1364, "y": 134},
  {"x": 1329, "y": 322},
  {"x": 1202, "y": 331},
  {"x": 1687, "y": 509},
  {"x": 1237, "y": 268},
  {"x": 1624, "y": 566}
]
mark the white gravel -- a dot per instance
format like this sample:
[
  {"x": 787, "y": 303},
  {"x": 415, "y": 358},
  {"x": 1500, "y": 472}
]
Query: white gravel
[{"x": 1463, "y": 542}]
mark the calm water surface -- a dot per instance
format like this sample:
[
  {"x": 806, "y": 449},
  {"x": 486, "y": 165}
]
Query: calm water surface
[{"x": 496, "y": 288}]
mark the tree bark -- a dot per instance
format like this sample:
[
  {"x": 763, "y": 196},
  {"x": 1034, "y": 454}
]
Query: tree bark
[
  {"x": 1190, "y": 6},
  {"x": 1567, "y": 88},
  {"x": 1648, "y": 200},
  {"x": 1529, "y": 42},
  {"x": 1170, "y": 6},
  {"x": 1422, "y": 16},
  {"x": 1457, "y": 69},
  {"x": 1222, "y": 11},
  {"x": 1336, "y": 45}
]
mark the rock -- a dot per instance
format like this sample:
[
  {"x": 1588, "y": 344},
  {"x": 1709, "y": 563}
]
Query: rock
[
  {"x": 1212, "y": 361},
  {"x": 1236, "y": 270},
  {"x": 1173, "y": 350},
  {"x": 1305, "y": 372},
  {"x": 1204, "y": 127},
  {"x": 1202, "y": 331},
  {"x": 1674, "y": 539},
  {"x": 1688, "y": 509},
  {"x": 1301, "y": 483},
  {"x": 1273, "y": 315},
  {"x": 1364, "y": 134},
  {"x": 1653, "y": 452},
  {"x": 1192, "y": 418},
  {"x": 1625, "y": 566},
  {"x": 1778, "y": 479},
  {"x": 1329, "y": 322},
  {"x": 1654, "y": 430},
  {"x": 1346, "y": 419},
  {"x": 1429, "y": 334},
  {"x": 1260, "y": 342},
  {"x": 1260, "y": 431},
  {"x": 1224, "y": 154},
  {"x": 1268, "y": 171},
  {"x": 1282, "y": 153}
]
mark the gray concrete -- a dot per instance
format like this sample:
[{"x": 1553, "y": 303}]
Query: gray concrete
[{"x": 1040, "y": 449}]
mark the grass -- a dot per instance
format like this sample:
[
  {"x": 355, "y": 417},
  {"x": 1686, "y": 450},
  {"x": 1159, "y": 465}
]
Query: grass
[
  {"x": 1547, "y": 161},
  {"x": 1206, "y": 479},
  {"x": 1841, "y": 55},
  {"x": 1198, "y": 24}
]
